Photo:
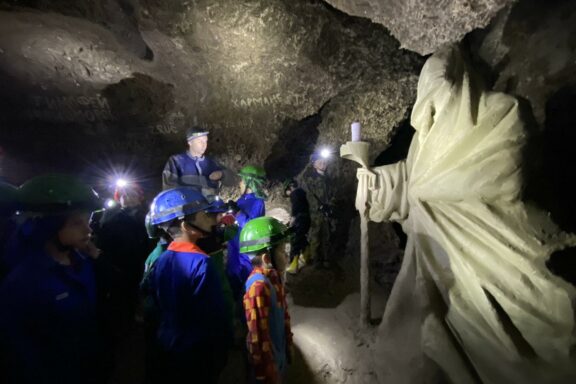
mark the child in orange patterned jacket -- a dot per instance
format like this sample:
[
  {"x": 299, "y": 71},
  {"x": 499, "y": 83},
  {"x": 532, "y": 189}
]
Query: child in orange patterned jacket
[{"x": 269, "y": 337}]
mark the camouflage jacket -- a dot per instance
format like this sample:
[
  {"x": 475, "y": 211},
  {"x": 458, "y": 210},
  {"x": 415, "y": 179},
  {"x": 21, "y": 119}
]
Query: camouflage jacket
[{"x": 320, "y": 189}]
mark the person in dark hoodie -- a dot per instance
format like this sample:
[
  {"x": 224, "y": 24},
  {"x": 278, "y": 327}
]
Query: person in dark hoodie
[
  {"x": 299, "y": 224},
  {"x": 122, "y": 237}
]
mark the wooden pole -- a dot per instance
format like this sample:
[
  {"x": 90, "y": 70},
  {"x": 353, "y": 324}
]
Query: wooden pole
[
  {"x": 365, "y": 305},
  {"x": 358, "y": 151}
]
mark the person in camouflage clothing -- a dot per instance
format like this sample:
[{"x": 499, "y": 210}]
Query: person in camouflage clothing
[{"x": 320, "y": 189}]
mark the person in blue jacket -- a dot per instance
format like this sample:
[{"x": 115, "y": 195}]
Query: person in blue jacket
[
  {"x": 249, "y": 206},
  {"x": 192, "y": 168},
  {"x": 48, "y": 326},
  {"x": 194, "y": 331}
]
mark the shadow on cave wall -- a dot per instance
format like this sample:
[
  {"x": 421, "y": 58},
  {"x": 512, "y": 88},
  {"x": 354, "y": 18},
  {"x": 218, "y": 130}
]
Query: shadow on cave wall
[
  {"x": 558, "y": 194},
  {"x": 559, "y": 156},
  {"x": 139, "y": 101},
  {"x": 549, "y": 171},
  {"x": 291, "y": 152}
]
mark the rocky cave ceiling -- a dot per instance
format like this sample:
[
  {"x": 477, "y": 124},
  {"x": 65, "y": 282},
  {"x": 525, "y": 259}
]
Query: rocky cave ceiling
[{"x": 121, "y": 79}]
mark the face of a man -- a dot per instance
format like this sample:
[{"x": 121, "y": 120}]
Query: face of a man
[
  {"x": 198, "y": 145},
  {"x": 205, "y": 221},
  {"x": 76, "y": 231},
  {"x": 320, "y": 165}
]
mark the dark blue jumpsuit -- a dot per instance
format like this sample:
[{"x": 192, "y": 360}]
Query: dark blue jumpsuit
[
  {"x": 194, "y": 331},
  {"x": 184, "y": 170},
  {"x": 48, "y": 328}
]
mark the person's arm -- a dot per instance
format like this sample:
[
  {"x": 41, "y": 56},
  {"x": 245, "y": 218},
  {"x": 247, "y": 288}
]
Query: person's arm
[
  {"x": 258, "y": 209},
  {"x": 215, "y": 170},
  {"x": 256, "y": 307},
  {"x": 170, "y": 174}
]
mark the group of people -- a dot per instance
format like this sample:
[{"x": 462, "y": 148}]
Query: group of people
[{"x": 72, "y": 276}]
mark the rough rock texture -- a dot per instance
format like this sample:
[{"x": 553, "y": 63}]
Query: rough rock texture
[
  {"x": 270, "y": 79},
  {"x": 531, "y": 50},
  {"x": 424, "y": 26}
]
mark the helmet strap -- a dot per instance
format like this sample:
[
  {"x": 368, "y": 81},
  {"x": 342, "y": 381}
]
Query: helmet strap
[{"x": 198, "y": 229}]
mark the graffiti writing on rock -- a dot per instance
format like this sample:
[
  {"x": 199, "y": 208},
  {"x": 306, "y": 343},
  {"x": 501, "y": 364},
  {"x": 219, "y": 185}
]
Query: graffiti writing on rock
[
  {"x": 173, "y": 124},
  {"x": 68, "y": 109}
]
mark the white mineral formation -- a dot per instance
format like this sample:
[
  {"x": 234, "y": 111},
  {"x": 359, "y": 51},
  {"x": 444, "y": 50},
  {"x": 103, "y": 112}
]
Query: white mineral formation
[{"x": 474, "y": 301}]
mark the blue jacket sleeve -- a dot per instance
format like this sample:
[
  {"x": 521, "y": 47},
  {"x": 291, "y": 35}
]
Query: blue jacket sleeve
[
  {"x": 257, "y": 208},
  {"x": 170, "y": 174}
]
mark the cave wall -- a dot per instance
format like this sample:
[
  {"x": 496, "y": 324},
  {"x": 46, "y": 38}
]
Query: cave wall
[
  {"x": 121, "y": 80},
  {"x": 423, "y": 26},
  {"x": 88, "y": 86}
]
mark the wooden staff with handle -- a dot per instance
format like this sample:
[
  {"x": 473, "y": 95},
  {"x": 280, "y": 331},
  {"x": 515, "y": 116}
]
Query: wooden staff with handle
[{"x": 357, "y": 151}]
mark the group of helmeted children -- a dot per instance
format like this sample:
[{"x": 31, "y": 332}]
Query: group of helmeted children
[{"x": 54, "y": 293}]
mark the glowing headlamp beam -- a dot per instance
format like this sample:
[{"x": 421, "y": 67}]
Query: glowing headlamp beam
[
  {"x": 121, "y": 183},
  {"x": 325, "y": 153}
]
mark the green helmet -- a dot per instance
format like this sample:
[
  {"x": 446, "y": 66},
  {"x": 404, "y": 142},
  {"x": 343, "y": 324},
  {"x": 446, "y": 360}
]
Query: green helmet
[
  {"x": 57, "y": 193},
  {"x": 254, "y": 178},
  {"x": 261, "y": 233},
  {"x": 253, "y": 172},
  {"x": 8, "y": 197}
]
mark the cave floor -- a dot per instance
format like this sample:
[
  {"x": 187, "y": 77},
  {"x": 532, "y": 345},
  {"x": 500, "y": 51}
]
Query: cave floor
[{"x": 329, "y": 345}]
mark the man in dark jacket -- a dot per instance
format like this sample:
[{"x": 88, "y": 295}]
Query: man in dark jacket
[
  {"x": 122, "y": 237},
  {"x": 192, "y": 168},
  {"x": 299, "y": 224},
  {"x": 320, "y": 189}
]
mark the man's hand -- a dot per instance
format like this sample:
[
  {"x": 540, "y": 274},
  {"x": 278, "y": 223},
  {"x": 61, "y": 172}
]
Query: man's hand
[{"x": 215, "y": 176}]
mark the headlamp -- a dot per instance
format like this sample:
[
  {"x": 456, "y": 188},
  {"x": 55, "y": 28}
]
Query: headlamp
[
  {"x": 121, "y": 183},
  {"x": 325, "y": 153}
]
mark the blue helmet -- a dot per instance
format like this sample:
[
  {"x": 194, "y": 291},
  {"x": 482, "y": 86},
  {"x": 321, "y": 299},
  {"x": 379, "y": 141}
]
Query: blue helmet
[
  {"x": 217, "y": 206},
  {"x": 176, "y": 204}
]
